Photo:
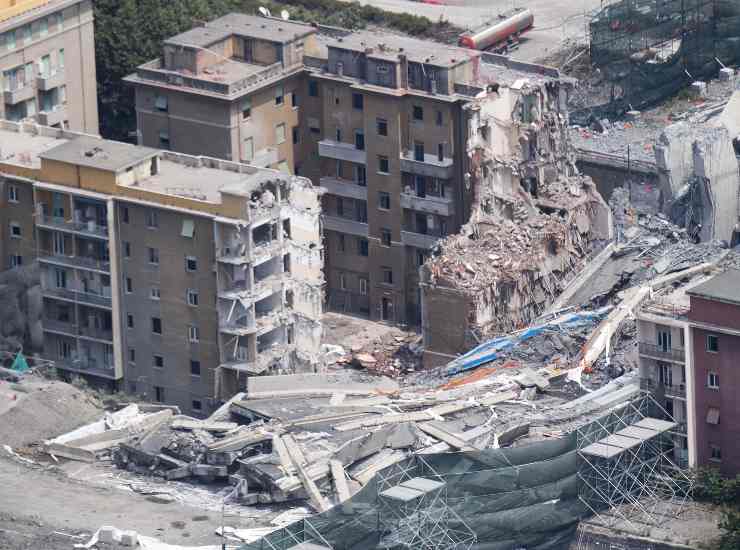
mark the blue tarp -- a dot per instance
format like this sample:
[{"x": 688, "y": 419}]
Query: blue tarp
[{"x": 496, "y": 348}]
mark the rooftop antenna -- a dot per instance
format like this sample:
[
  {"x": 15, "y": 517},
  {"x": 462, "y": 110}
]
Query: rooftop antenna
[
  {"x": 285, "y": 15},
  {"x": 264, "y": 11}
]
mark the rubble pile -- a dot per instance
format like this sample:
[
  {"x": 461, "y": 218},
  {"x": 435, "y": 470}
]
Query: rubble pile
[{"x": 391, "y": 355}]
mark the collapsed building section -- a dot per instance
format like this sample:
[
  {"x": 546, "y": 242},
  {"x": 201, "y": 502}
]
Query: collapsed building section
[
  {"x": 534, "y": 221},
  {"x": 650, "y": 49}
]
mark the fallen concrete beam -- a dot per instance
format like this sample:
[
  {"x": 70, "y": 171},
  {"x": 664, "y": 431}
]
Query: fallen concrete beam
[
  {"x": 294, "y": 451},
  {"x": 224, "y": 411},
  {"x": 279, "y": 447},
  {"x": 581, "y": 278},
  {"x": 73, "y": 453},
  {"x": 314, "y": 495},
  {"x": 315, "y": 384},
  {"x": 480, "y": 432},
  {"x": 106, "y": 439},
  {"x": 447, "y": 437},
  {"x": 340, "y": 481},
  {"x": 189, "y": 425},
  {"x": 364, "y": 475}
]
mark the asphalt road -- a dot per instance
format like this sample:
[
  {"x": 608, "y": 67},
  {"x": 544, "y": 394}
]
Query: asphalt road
[{"x": 554, "y": 20}]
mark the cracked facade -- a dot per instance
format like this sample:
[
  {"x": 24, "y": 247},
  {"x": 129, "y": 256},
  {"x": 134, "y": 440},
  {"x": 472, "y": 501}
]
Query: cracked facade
[
  {"x": 534, "y": 221},
  {"x": 168, "y": 275}
]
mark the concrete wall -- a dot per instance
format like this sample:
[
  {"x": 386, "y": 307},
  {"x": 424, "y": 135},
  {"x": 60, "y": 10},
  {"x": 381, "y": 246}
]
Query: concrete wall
[{"x": 20, "y": 212}]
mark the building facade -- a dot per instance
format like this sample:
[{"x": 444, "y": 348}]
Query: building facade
[
  {"x": 47, "y": 59},
  {"x": 382, "y": 122},
  {"x": 714, "y": 321},
  {"x": 167, "y": 275}
]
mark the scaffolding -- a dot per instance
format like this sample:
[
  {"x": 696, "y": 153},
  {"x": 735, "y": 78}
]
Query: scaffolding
[
  {"x": 300, "y": 535},
  {"x": 625, "y": 466},
  {"x": 650, "y": 49},
  {"x": 414, "y": 512}
]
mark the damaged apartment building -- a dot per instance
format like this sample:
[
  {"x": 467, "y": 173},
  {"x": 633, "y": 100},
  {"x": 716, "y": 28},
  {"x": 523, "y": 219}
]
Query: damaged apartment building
[
  {"x": 534, "y": 221},
  {"x": 163, "y": 274},
  {"x": 380, "y": 121}
]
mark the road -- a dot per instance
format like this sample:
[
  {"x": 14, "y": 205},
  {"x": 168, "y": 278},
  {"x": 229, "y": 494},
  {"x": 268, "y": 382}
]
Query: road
[{"x": 553, "y": 19}]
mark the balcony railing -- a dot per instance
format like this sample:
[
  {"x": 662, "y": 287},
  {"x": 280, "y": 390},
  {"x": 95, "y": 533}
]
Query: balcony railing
[
  {"x": 84, "y": 366},
  {"x": 84, "y": 298},
  {"x": 71, "y": 329},
  {"x": 433, "y": 205},
  {"x": 344, "y": 188},
  {"x": 75, "y": 262},
  {"x": 50, "y": 80},
  {"x": 344, "y": 225},
  {"x": 53, "y": 116},
  {"x": 660, "y": 352},
  {"x": 89, "y": 228},
  {"x": 670, "y": 390},
  {"x": 430, "y": 166},
  {"x": 340, "y": 150},
  {"x": 419, "y": 240},
  {"x": 24, "y": 93}
]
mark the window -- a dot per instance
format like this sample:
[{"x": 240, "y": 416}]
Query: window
[
  {"x": 384, "y": 200},
  {"x": 246, "y": 108},
  {"x": 363, "y": 287},
  {"x": 248, "y": 155},
  {"x": 340, "y": 242},
  {"x": 713, "y": 416},
  {"x": 360, "y": 140},
  {"x": 357, "y": 101},
  {"x": 15, "y": 230},
  {"x": 194, "y": 368},
  {"x": 421, "y": 257},
  {"x": 10, "y": 40},
  {"x": 154, "y": 293},
  {"x": 387, "y": 275},
  {"x": 159, "y": 394},
  {"x": 360, "y": 175},
  {"x": 156, "y": 325},
  {"x": 383, "y": 166},
  {"x": 419, "y": 150},
  {"x": 13, "y": 193},
  {"x": 44, "y": 27},
  {"x": 197, "y": 405},
  {"x": 129, "y": 285},
  {"x": 130, "y": 321},
  {"x": 126, "y": 249},
  {"x": 294, "y": 99},
  {"x": 192, "y": 297},
  {"x": 160, "y": 103},
  {"x": 362, "y": 247},
  {"x": 296, "y": 135},
  {"x": 314, "y": 126},
  {"x": 164, "y": 139},
  {"x": 440, "y": 119},
  {"x": 191, "y": 263},
  {"x": 715, "y": 453},
  {"x": 382, "y": 126},
  {"x": 158, "y": 361},
  {"x": 340, "y": 206},
  {"x": 713, "y": 380},
  {"x": 27, "y": 35},
  {"x": 418, "y": 113},
  {"x": 60, "y": 58},
  {"x": 712, "y": 343},
  {"x": 188, "y": 229},
  {"x": 342, "y": 281},
  {"x": 279, "y": 95},
  {"x": 131, "y": 355},
  {"x": 280, "y": 133},
  {"x": 441, "y": 152},
  {"x": 16, "y": 260},
  {"x": 60, "y": 278},
  {"x": 313, "y": 88},
  {"x": 124, "y": 214},
  {"x": 385, "y": 237},
  {"x": 153, "y": 255},
  {"x": 193, "y": 334},
  {"x": 338, "y": 134},
  {"x": 152, "y": 219}
]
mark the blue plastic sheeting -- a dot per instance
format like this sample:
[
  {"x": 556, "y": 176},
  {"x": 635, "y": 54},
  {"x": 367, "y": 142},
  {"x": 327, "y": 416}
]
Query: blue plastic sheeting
[{"x": 499, "y": 346}]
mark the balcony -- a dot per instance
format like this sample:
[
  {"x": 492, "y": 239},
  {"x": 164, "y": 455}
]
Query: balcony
[
  {"x": 86, "y": 229},
  {"x": 648, "y": 384},
  {"x": 265, "y": 158},
  {"x": 19, "y": 95},
  {"x": 263, "y": 362},
  {"x": 53, "y": 117},
  {"x": 89, "y": 367},
  {"x": 50, "y": 80},
  {"x": 344, "y": 188},
  {"x": 76, "y": 262},
  {"x": 661, "y": 353},
  {"x": 431, "y": 205},
  {"x": 264, "y": 252},
  {"x": 78, "y": 297},
  {"x": 419, "y": 240},
  {"x": 344, "y": 225},
  {"x": 431, "y": 166},
  {"x": 339, "y": 150},
  {"x": 72, "y": 330}
]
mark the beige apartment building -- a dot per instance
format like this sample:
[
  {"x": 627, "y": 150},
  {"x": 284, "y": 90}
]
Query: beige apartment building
[
  {"x": 47, "y": 60},
  {"x": 382, "y": 122},
  {"x": 164, "y": 274}
]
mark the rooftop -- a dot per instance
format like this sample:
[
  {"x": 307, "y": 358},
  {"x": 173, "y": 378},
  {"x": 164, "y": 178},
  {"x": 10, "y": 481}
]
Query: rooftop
[
  {"x": 24, "y": 148},
  {"x": 102, "y": 154},
  {"x": 387, "y": 46},
  {"x": 723, "y": 288},
  {"x": 21, "y": 11},
  {"x": 241, "y": 24}
]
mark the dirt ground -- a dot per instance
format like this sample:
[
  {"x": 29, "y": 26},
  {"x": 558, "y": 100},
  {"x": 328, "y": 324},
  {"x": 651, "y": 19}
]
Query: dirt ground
[{"x": 37, "y": 504}]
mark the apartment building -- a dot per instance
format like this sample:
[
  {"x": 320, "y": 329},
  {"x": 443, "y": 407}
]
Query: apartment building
[
  {"x": 376, "y": 119},
  {"x": 164, "y": 274},
  {"x": 714, "y": 321},
  {"x": 47, "y": 60},
  {"x": 689, "y": 348}
]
